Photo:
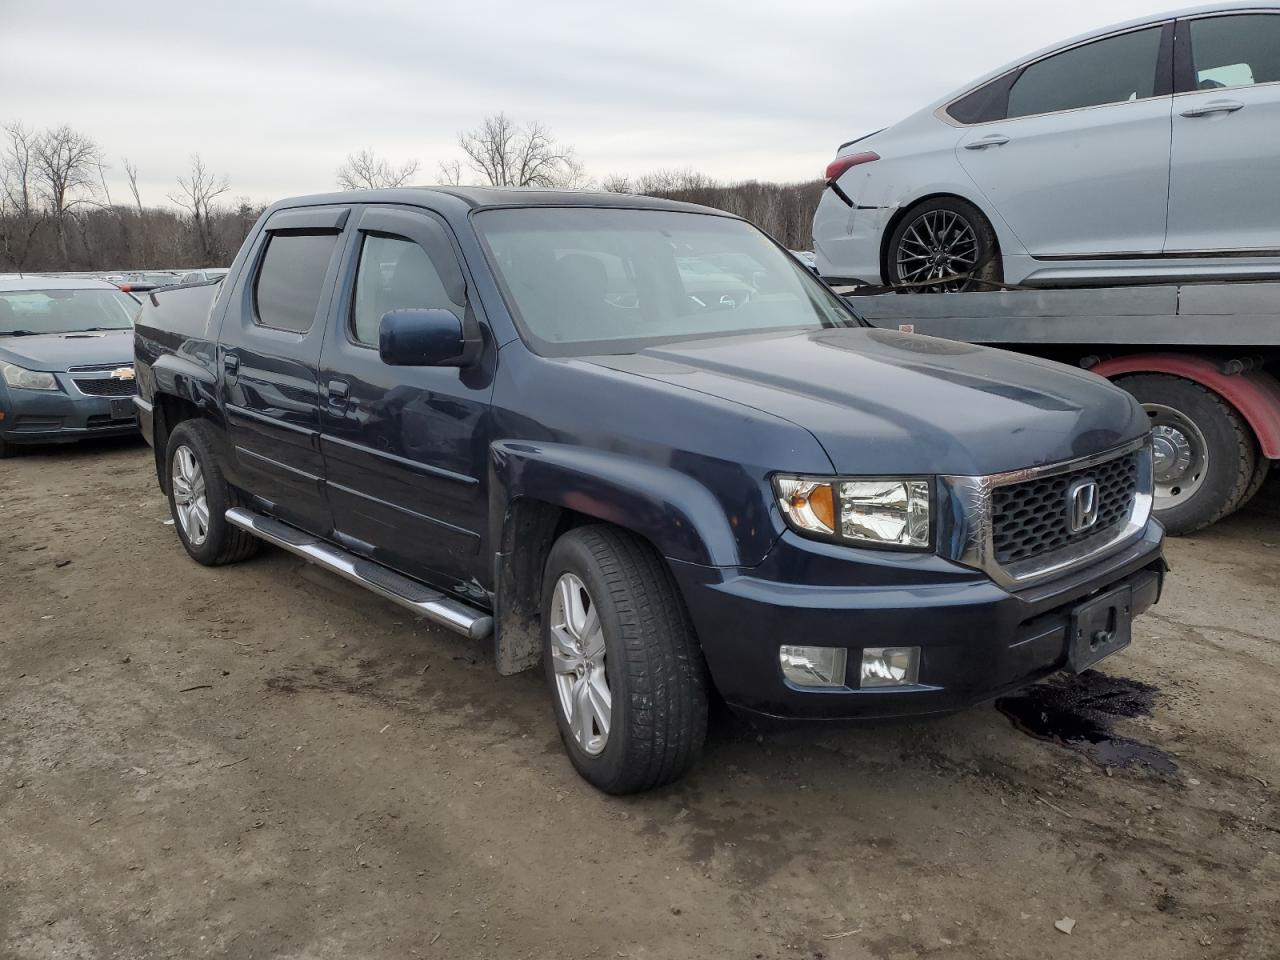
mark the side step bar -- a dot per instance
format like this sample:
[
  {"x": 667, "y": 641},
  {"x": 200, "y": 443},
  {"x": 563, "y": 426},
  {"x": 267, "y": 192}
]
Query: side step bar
[{"x": 415, "y": 596}]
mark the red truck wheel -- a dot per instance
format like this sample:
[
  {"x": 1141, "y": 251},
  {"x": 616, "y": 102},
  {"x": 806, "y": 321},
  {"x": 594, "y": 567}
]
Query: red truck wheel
[{"x": 1205, "y": 454}]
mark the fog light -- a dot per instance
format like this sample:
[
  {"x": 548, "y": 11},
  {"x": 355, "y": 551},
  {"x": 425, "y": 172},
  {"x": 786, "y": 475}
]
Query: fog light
[
  {"x": 890, "y": 666},
  {"x": 813, "y": 666}
]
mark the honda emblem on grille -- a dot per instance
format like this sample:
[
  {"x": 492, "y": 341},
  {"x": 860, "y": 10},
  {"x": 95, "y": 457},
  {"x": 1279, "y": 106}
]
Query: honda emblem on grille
[
  {"x": 1082, "y": 505},
  {"x": 122, "y": 373}
]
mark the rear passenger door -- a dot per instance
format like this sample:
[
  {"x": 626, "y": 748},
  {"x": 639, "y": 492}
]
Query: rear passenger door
[
  {"x": 406, "y": 448},
  {"x": 1223, "y": 194},
  {"x": 269, "y": 355},
  {"x": 1078, "y": 165}
]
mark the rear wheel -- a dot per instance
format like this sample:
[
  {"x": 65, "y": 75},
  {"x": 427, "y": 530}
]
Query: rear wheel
[
  {"x": 199, "y": 497},
  {"x": 943, "y": 245},
  {"x": 1205, "y": 456},
  {"x": 626, "y": 676}
]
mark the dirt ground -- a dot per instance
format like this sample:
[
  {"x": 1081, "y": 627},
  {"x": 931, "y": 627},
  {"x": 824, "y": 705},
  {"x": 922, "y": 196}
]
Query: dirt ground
[{"x": 263, "y": 761}]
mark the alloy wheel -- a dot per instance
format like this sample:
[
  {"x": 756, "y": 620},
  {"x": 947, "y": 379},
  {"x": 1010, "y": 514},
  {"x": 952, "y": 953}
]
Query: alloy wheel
[
  {"x": 938, "y": 252},
  {"x": 189, "y": 496},
  {"x": 577, "y": 655}
]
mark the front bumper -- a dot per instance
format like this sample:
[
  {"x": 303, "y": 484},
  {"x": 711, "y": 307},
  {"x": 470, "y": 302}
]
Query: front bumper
[
  {"x": 977, "y": 639},
  {"x": 63, "y": 416}
]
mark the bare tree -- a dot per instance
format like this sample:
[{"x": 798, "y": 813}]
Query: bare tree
[
  {"x": 450, "y": 172},
  {"x": 20, "y": 213},
  {"x": 616, "y": 183},
  {"x": 131, "y": 174},
  {"x": 368, "y": 171},
  {"x": 508, "y": 154},
  {"x": 67, "y": 164},
  {"x": 196, "y": 195}
]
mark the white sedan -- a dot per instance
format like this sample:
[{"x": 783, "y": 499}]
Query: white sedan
[{"x": 1143, "y": 152}]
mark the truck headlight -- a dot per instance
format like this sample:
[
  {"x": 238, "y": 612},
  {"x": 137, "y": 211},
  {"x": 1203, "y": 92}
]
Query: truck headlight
[
  {"x": 24, "y": 379},
  {"x": 873, "y": 511}
]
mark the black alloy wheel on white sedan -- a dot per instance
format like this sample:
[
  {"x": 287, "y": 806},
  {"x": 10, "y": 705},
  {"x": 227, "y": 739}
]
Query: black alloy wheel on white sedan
[{"x": 943, "y": 245}]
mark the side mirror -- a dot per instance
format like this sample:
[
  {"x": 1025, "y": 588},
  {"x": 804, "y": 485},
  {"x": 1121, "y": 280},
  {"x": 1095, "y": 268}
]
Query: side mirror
[{"x": 422, "y": 338}]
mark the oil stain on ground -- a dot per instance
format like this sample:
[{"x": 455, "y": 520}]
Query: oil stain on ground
[{"x": 1080, "y": 712}]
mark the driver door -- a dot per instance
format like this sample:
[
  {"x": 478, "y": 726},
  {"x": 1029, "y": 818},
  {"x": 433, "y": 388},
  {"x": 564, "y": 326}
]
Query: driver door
[{"x": 406, "y": 448}]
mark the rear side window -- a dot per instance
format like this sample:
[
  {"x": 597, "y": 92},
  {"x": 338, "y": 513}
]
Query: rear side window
[
  {"x": 1106, "y": 71},
  {"x": 989, "y": 102},
  {"x": 1236, "y": 51},
  {"x": 291, "y": 279},
  {"x": 395, "y": 274}
]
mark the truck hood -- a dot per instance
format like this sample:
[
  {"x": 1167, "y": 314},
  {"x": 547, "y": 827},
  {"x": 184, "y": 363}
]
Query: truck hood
[
  {"x": 883, "y": 402},
  {"x": 57, "y": 352}
]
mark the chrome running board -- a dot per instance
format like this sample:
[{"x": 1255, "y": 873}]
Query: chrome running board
[{"x": 421, "y": 599}]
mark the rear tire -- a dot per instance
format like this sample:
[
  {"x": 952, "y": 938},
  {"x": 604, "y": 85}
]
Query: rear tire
[
  {"x": 628, "y": 683},
  {"x": 1205, "y": 454},
  {"x": 199, "y": 497},
  {"x": 942, "y": 237},
  {"x": 1260, "y": 473}
]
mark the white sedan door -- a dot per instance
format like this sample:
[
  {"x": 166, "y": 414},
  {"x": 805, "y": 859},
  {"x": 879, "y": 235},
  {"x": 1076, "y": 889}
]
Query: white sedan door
[
  {"x": 1080, "y": 165},
  {"x": 1224, "y": 188}
]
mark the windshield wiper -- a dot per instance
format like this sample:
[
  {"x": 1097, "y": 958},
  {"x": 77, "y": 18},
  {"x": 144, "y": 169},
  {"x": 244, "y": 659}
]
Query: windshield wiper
[{"x": 17, "y": 333}]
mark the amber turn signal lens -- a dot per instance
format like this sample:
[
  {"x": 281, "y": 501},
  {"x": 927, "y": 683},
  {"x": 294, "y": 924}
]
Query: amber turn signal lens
[{"x": 821, "y": 504}]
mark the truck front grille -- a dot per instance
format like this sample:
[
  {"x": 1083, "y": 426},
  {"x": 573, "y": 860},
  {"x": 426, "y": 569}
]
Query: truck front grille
[
  {"x": 1033, "y": 518},
  {"x": 106, "y": 387}
]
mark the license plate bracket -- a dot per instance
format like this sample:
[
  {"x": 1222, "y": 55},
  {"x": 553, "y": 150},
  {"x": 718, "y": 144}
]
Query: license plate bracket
[
  {"x": 122, "y": 409},
  {"x": 1100, "y": 627}
]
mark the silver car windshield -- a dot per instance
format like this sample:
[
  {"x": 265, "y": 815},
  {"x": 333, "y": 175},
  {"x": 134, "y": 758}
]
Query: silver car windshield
[
  {"x": 584, "y": 280},
  {"x": 25, "y": 312}
]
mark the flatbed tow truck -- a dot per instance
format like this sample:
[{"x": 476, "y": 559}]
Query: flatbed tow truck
[{"x": 1202, "y": 358}]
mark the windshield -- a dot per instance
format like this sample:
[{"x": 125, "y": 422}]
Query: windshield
[
  {"x": 64, "y": 311},
  {"x": 590, "y": 280}
]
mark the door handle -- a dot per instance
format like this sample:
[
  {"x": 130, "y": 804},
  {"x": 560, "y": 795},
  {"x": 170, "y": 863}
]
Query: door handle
[
  {"x": 995, "y": 140},
  {"x": 339, "y": 391},
  {"x": 1214, "y": 106},
  {"x": 230, "y": 363}
]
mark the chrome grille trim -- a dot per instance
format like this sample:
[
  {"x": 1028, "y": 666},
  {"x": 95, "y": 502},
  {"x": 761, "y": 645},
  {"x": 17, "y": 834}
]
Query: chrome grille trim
[{"x": 975, "y": 546}]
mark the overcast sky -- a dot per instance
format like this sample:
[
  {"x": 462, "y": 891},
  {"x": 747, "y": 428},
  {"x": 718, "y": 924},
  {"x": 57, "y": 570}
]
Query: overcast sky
[{"x": 274, "y": 93}]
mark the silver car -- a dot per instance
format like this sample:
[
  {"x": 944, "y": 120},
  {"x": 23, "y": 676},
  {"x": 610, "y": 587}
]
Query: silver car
[{"x": 1146, "y": 151}]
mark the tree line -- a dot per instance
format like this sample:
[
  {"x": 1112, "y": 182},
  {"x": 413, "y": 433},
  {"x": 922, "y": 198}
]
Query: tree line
[{"x": 57, "y": 212}]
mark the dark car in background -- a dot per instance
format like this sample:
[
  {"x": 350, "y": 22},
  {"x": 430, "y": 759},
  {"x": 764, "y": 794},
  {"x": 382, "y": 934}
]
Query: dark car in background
[{"x": 66, "y": 360}]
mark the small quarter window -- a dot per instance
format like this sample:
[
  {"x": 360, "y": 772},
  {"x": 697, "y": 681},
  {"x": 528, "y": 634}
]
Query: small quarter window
[
  {"x": 394, "y": 274},
  {"x": 1113, "y": 70},
  {"x": 1236, "y": 51},
  {"x": 291, "y": 279}
]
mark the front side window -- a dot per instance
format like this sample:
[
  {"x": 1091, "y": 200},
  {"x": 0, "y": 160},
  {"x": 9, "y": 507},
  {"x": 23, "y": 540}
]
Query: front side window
[
  {"x": 590, "y": 280},
  {"x": 394, "y": 274},
  {"x": 1236, "y": 51},
  {"x": 291, "y": 279},
  {"x": 1106, "y": 71},
  {"x": 65, "y": 311}
]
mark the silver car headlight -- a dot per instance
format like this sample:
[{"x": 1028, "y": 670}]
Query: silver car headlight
[
  {"x": 24, "y": 379},
  {"x": 868, "y": 511}
]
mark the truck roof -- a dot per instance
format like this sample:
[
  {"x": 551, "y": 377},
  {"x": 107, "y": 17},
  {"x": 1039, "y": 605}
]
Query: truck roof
[{"x": 478, "y": 198}]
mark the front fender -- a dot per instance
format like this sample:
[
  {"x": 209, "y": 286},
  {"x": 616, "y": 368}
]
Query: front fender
[{"x": 673, "y": 511}]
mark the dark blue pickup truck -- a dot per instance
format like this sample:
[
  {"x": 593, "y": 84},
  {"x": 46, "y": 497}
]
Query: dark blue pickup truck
[{"x": 637, "y": 442}]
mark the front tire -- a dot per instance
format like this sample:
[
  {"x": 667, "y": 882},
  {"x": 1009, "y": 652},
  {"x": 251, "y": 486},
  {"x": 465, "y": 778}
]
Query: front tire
[
  {"x": 943, "y": 245},
  {"x": 627, "y": 679},
  {"x": 199, "y": 497},
  {"x": 1205, "y": 455}
]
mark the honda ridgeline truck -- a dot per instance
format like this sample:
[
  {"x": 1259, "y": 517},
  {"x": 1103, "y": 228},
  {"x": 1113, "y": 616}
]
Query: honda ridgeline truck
[{"x": 637, "y": 442}]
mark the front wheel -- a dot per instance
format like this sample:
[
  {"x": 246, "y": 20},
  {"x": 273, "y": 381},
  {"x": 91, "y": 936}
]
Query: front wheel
[
  {"x": 626, "y": 675},
  {"x": 1205, "y": 455},
  {"x": 943, "y": 245}
]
